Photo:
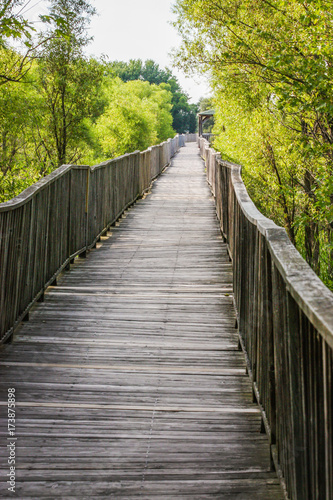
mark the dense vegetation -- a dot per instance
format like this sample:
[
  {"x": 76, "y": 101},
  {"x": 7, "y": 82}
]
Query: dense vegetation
[
  {"x": 57, "y": 106},
  {"x": 271, "y": 67},
  {"x": 184, "y": 114}
]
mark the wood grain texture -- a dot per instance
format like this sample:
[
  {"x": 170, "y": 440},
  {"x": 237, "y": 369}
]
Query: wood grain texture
[{"x": 129, "y": 382}]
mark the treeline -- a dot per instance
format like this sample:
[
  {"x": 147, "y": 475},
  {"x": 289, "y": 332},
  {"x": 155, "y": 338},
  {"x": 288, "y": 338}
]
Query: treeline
[
  {"x": 57, "y": 106},
  {"x": 271, "y": 67}
]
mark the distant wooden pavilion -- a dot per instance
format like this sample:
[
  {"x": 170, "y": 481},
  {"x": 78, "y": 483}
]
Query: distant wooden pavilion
[{"x": 203, "y": 116}]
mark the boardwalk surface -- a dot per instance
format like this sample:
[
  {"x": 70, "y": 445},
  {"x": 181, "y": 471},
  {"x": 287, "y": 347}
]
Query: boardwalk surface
[{"x": 128, "y": 379}]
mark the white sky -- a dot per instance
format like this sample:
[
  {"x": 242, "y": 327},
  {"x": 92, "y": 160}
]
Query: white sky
[{"x": 135, "y": 29}]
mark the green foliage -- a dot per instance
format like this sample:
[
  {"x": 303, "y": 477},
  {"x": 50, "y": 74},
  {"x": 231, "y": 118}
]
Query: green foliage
[
  {"x": 70, "y": 97},
  {"x": 271, "y": 67},
  {"x": 68, "y": 82},
  {"x": 46, "y": 119},
  {"x": 137, "y": 116},
  {"x": 67, "y": 108},
  {"x": 183, "y": 113},
  {"x": 14, "y": 65},
  {"x": 135, "y": 69},
  {"x": 12, "y": 23},
  {"x": 251, "y": 138},
  {"x": 19, "y": 162}
]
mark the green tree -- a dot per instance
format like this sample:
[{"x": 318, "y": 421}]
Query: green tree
[
  {"x": 137, "y": 116},
  {"x": 17, "y": 166},
  {"x": 69, "y": 84},
  {"x": 12, "y": 22},
  {"x": 158, "y": 98},
  {"x": 13, "y": 64},
  {"x": 135, "y": 69},
  {"x": 183, "y": 113}
]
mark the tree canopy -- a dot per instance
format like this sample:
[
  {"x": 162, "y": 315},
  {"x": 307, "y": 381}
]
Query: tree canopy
[
  {"x": 69, "y": 83},
  {"x": 15, "y": 64},
  {"x": 183, "y": 113},
  {"x": 137, "y": 116}
]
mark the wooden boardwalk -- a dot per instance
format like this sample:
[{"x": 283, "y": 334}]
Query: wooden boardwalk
[{"x": 128, "y": 379}]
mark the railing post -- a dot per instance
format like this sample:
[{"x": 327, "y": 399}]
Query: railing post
[
  {"x": 328, "y": 423},
  {"x": 298, "y": 445},
  {"x": 84, "y": 254}
]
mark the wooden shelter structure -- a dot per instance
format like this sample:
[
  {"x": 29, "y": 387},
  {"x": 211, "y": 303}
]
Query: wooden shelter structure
[{"x": 203, "y": 116}]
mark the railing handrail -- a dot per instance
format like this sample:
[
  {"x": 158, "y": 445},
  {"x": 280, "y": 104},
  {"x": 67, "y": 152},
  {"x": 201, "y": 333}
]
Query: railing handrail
[
  {"x": 303, "y": 283},
  {"x": 31, "y": 191}
]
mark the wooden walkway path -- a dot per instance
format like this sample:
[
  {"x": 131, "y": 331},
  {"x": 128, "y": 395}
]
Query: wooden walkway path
[{"x": 128, "y": 379}]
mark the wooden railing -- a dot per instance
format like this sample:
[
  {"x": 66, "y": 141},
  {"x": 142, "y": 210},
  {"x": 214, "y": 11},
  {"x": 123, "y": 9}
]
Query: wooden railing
[
  {"x": 44, "y": 228},
  {"x": 191, "y": 137},
  {"x": 285, "y": 320}
]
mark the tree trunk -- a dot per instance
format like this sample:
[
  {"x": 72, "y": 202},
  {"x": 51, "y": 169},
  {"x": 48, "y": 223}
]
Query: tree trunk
[
  {"x": 330, "y": 248},
  {"x": 311, "y": 228}
]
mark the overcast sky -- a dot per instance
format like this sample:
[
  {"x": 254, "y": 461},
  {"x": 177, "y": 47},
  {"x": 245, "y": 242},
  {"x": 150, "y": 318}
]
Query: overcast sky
[{"x": 135, "y": 29}]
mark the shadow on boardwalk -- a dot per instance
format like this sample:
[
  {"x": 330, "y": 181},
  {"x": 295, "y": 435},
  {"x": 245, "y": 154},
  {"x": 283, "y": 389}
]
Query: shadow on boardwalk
[{"x": 128, "y": 379}]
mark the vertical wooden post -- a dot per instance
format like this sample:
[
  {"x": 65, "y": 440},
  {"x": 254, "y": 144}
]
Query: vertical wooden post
[
  {"x": 84, "y": 254},
  {"x": 298, "y": 444},
  {"x": 328, "y": 425}
]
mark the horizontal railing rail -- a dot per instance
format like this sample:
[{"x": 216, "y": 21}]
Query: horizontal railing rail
[
  {"x": 285, "y": 320},
  {"x": 208, "y": 136},
  {"x": 63, "y": 215}
]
